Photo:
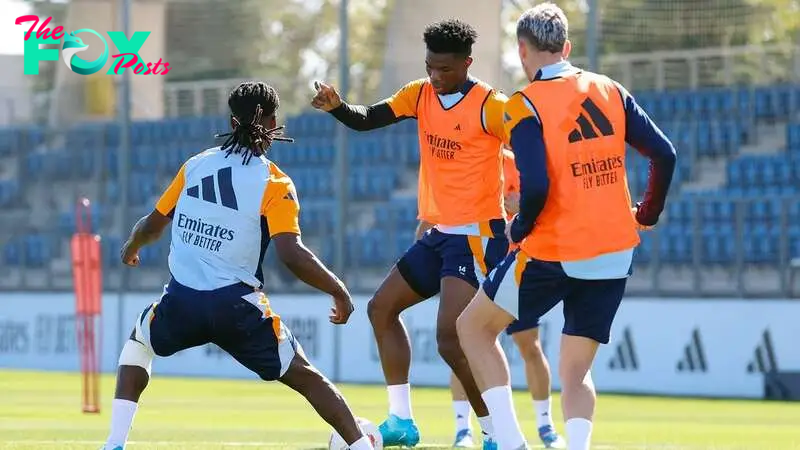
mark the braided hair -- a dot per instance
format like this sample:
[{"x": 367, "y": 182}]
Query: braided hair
[{"x": 250, "y": 102}]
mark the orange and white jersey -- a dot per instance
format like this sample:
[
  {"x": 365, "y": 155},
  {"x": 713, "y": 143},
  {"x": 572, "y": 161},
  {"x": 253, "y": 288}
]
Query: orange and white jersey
[
  {"x": 461, "y": 135},
  {"x": 223, "y": 216}
]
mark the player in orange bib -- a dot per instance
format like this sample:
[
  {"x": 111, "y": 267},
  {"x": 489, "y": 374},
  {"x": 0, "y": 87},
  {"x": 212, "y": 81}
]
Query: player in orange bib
[
  {"x": 568, "y": 129},
  {"x": 460, "y": 191},
  {"x": 525, "y": 334}
]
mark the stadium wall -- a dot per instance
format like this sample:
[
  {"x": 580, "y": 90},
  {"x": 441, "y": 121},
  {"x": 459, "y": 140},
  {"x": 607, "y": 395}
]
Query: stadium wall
[{"x": 688, "y": 347}]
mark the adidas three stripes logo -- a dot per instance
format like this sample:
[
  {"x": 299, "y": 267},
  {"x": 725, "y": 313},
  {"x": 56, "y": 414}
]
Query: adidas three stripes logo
[
  {"x": 625, "y": 355},
  {"x": 694, "y": 356},
  {"x": 586, "y": 125},
  {"x": 764, "y": 358},
  {"x": 694, "y": 359},
  {"x": 227, "y": 196}
]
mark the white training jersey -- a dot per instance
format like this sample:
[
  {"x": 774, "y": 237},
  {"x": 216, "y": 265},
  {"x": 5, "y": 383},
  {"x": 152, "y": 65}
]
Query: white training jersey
[{"x": 223, "y": 216}]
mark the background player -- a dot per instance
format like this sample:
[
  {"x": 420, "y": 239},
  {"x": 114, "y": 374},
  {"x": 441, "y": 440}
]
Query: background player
[
  {"x": 525, "y": 335},
  {"x": 460, "y": 190},
  {"x": 568, "y": 129},
  {"x": 217, "y": 248}
]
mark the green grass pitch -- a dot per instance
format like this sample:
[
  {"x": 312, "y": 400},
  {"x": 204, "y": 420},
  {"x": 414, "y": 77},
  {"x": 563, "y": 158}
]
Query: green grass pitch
[{"x": 41, "y": 410}]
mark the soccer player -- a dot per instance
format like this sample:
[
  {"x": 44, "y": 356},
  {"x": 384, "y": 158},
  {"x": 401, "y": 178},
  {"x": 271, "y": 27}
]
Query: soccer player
[
  {"x": 226, "y": 205},
  {"x": 525, "y": 334},
  {"x": 576, "y": 229},
  {"x": 460, "y": 191}
]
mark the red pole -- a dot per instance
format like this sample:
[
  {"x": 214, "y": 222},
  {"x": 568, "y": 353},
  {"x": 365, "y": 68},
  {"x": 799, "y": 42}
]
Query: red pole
[{"x": 87, "y": 278}]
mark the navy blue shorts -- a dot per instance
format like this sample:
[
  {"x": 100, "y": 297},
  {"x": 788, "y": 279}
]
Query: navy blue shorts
[
  {"x": 437, "y": 255},
  {"x": 234, "y": 318},
  {"x": 518, "y": 325},
  {"x": 528, "y": 288}
]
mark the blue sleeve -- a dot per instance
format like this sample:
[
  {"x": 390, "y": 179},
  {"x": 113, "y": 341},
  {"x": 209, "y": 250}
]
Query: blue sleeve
[
  {"x": 643, "y": 135},
  {"x": 527, "y": 143}
]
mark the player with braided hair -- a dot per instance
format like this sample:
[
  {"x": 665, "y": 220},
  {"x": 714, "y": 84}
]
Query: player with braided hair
[
  {"x": 249, "y": 136},
  {"x": 220, "y": 232}
]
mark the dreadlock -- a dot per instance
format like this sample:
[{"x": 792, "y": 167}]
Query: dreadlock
[{"x": 249, "y": 103}]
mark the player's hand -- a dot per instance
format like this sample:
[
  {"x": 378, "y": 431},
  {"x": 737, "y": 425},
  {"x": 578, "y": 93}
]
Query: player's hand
[
  {"x": 129, "y": 255},
  {"x": 422, "y": 228},
  {"x": 640, "y": 227},
  {"x": 327, "y": 98},
  {"x": 511, "y": 202},
  {"x": 342, "y": 307}
]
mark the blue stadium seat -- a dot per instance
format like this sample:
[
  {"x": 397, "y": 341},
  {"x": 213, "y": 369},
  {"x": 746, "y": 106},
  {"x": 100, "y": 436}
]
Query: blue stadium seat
[
  {"x": 793, "y": 213},
  {"x": 34, "y": 165},
  {"x": 38, "y": 250},
  {"x": 111, "y": 161},
  {"x": 34, "y": 137},
  {"x": 757, "y": 212},
  {"x": 679, "y": 213},
  {"x": 727, "y": 212},
  {"x": 794, "y": 247},
  {"x": 710, "y": 210},
  {"x": 9, "y": 192},
  {"x": 644, "y": 252},
  {"x": 763, "y": 103},
  {"x": 84, "y": 159},
  {"x": 142, "y": 188},
  {"x": 12, "y": 252},
  {"x": 750, "y": 171},
  {"x": 793, "y": 136},
  {"x": 676, "y": 244},
  {"x": 67, "y": 223},
  {"x": 318, "y": 216},
  {"x": 109, "y": 248},
  {"x": 154, "y": 255},
  {"x": 8, "y": 141},
  {"x": 403, "y": 240}
]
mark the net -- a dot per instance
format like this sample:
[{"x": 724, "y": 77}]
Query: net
[
  {"x": 669, "y": 44},
  {"x": 695, "y": 43}
]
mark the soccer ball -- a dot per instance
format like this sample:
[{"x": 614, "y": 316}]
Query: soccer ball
[{"x": 370, "y": 430}]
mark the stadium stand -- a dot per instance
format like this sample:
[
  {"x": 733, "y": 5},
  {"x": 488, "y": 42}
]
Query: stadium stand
[{"x": 753, "y": 198}]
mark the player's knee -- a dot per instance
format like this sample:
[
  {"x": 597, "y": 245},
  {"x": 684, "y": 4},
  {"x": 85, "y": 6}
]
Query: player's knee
[
  {"x": 574, "y": 373},
  {"x": 463, "y": 321},
  {"x": 463, "y": 327},
  {"x": 134, "y": 353},
  {"x": 307, "y": 380},
  {"x": 380, "y": 310},
  {"x": 448, "y": 344},
  {"x": 531, "y": 350}
]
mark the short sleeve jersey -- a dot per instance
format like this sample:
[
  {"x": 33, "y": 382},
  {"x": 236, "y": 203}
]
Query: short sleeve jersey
[{"x": 224, "y": 215}]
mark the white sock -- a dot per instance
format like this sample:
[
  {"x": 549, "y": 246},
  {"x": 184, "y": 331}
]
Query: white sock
[
  {"x": 543, "y": 414},
  {"x": 400, "y": 400},
  {"x": 122, "y": 412},
  {"x": 462, "y": 410},
  {"x": 579, "y": 434},
  {"x": 486, "y": 425},
  {"x": 362, "y": 444},
  {"x": 501, "y": 409}
]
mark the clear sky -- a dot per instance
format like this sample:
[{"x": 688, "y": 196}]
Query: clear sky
[{"x": 10, "y": 34}]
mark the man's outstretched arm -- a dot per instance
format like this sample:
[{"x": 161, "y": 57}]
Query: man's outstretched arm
[{"x": 402, "y": 105}]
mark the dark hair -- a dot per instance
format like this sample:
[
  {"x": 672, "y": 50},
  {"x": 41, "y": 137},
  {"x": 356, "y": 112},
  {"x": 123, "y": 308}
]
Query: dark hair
[
  {"x": 249, "y": 103},
  {"x": 450, "y": 36}
]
